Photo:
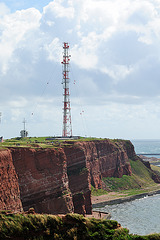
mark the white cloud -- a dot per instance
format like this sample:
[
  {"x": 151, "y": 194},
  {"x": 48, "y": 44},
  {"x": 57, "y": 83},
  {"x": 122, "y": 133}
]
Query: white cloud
[
  {"x": 54, "y": 50},
  {"x": 83, "y": 58},
  {"x": 118, "y": 72},
  {"x": 3, "y": 9},
  {"x": 16, "y": 113},
  {"x": 13, "y": 29},
  {"x": 56, "y": 8},
  {"x": 114, "y": 47},
  {"x": 144, "y": 19},
  {"x": 20, "y": 102}
]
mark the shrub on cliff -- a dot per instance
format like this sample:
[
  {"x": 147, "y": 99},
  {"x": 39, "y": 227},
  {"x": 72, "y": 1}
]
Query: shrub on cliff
[
  {"x": 68, "y": 227},
  {"x": 46, "y": 227}
]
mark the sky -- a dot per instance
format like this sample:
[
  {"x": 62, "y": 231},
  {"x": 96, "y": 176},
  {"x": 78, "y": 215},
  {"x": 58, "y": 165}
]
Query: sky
[{"x": 114, "y": 67}]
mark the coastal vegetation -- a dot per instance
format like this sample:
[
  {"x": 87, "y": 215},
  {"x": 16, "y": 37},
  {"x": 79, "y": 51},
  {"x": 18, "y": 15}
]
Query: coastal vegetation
[
  {"x": 139, "y": 182},
  {"x": 36, "y": 142},
  {"x": 47, "y": 142},
  {"x": 68, "y": 227},
  {"x": 141, "y": 178},
  {"x": 74, "y": 226},
  {"x": 31, "y": 142}
]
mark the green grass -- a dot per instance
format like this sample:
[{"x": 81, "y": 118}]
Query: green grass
[
  {"x": 70, "y": 227},
  {"x": 141, "y": 178},
  {"x": 124, "y": 183},
  {"x": 98, "y": 192},
  {"x": 41, "y": 142},
  {"x": 33, "y": 142},
  {"x": 53, "y": 227},
  {"x": 139, "y": 182},
  {"x": 155, "y": 168},
  {"x": 90, "y": 139}
]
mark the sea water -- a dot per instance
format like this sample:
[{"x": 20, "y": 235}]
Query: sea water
[
  {"x": 141, "y": 216},
  {"x": 147, "y": 146}
]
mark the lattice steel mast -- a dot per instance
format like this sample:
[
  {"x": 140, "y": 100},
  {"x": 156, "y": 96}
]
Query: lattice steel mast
[{"x": 67, "y": 126}]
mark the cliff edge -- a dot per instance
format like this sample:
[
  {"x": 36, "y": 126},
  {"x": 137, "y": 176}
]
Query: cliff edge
[
  {"x": 58, "y": 180},
  {"x": 9, "y": 186}
]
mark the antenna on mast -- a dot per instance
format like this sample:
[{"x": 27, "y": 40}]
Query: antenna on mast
[
  {"x": 1, "y": 138},
  {"x": 23, "y": 132},
  {"x": 24, "y": 122},
  {"x": 67, "y": 126}
]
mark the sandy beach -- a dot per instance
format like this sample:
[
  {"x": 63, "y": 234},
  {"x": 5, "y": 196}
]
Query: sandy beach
[{"x": 108, "y": 197}]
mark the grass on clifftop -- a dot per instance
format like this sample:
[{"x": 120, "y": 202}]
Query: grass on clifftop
[
  {"x": 69, "y": 227},
  {"x": 139, "y": 182},
  {"x": 141, "y": 178},
  {"x": 47, "y": 142},
  {"x": 34, "y": 142}
]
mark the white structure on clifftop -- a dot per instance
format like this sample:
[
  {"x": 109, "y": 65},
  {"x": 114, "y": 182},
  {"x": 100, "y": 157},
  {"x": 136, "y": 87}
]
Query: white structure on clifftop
[{"x": 23, "y": 132}]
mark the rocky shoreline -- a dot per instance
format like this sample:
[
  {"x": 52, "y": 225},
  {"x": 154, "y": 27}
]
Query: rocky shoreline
[{"x": 101, "y": 204}]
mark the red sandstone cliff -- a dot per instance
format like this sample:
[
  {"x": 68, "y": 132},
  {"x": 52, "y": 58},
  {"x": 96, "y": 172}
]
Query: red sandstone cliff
[
  {"x": 88, "y": 162},
  {"x": 43, "y": 180},
  {"x": 79, "y": 179},
  {"x": 59, "y": 181},
  {"x": 9, "y": 187}
]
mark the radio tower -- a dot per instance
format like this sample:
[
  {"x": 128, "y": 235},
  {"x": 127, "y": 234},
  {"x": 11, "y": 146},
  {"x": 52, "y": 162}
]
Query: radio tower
[{"x": 67, "y": 126}]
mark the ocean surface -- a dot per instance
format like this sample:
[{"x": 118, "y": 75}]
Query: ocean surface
[
  {"x": 141, "y": 216},
  {"x": 147, "y": 146}
]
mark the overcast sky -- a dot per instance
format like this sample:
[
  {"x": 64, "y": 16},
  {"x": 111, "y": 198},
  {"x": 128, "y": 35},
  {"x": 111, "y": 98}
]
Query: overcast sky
[{"x": 115, "y": 65}]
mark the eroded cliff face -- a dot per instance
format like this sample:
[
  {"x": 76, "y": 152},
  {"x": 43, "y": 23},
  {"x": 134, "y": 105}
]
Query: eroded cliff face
[
  {"x": 59, "y": 180},
  {"x": 9, "y": 187},
  {"x": 79, "y": 178},
  {"x": 88, "y": 162},
  {"x": 43, "y": 180}
]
